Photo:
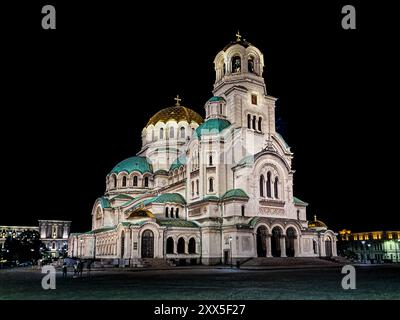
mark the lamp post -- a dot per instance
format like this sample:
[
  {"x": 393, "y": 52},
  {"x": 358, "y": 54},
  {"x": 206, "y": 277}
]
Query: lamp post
[
  {"x": 363, "y": 249},
  {"x": 230, "y": 249}
]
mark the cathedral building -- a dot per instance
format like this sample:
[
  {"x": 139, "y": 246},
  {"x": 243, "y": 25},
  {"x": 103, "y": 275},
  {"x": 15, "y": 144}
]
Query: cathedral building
[{"x": 212, "y": 190}]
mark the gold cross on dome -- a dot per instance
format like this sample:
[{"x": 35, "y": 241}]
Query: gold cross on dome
[
  {"x": 238, "y": 36},
  {"x": 177, "y": 99}
]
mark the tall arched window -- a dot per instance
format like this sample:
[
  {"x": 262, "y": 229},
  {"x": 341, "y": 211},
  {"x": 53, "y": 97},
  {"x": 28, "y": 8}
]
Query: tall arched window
[
  {"x": 192, "y": 245},
  {"x": 146, "y": 182},
  {"x": 211, "y": 185},
  {"x": 177, "y": 213},
  {"x": 192, "y": 188},
  {"x": 259, "y": 123},
  {"x": 171, "y": 132},
  {"x": 236, "y": 64},
  {"x": 134, "y": 181},
  {"x": 269, "y": 184},
  {"x": 250, "y": 65},
  {"x": 115, "y": 181},
  {"x": 197, "y": 186},
  {"x": 161, "y": 133},
  {"x": 181, "y": 245},
  {"x": 243, "y": 210},
  {"x": 183, "y": 133},
  {"x": 166, "y": 212},
  {"x": 220, "y": 108},
  {"x": 249, "y": 121},
  {"x": 210, "y": 160},
  {"x": 276, "y": 183},
  {"x": 262, "y": 181},
  {"x": 171, "y": 212},
  {"x": 124, "y": 181},
  {"x": 254, "y": 122},
  {"x": 170, "y": 245}
]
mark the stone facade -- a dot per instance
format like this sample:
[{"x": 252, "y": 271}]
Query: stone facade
[{"x": 208, "y": 191}]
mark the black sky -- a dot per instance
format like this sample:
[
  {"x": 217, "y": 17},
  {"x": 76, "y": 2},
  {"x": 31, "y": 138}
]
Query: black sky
[{"x": 78, "y": 98}]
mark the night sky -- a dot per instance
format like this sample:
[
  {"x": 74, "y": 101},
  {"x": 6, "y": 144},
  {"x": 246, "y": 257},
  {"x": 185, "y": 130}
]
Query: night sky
[{"x": 79, "y": 96}]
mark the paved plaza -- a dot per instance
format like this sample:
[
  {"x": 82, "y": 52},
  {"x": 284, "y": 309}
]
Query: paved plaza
[{"x": 373, "y": 282}]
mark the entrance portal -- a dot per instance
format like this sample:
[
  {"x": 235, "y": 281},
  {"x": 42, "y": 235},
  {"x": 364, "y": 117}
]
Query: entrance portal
[
  {"x": 290, "y": 236},
  {"x": 148, "y": 244},
  {"x": 262, "y": 241},
  {"x": 275, "y": 242}
]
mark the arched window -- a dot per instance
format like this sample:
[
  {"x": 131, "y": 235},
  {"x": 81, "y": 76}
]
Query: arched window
[
  {"x": 135, "y": 181},
  {"x": 146, "y": 182},
  {"x": 197, "y": 186},
  {"x": 250, "y": 65},
  {"x": 269, "y": 184},
  {"x": 115, "y": 181},
  {"x": 236, "y": 64},
  {"x": 259, "y": 123},
  {"x": 183, "y": 133},
  {"x": 220, "y": 108},
  {"x": 171, "y": 212},
  {"x": 161, "y": 133},
  {"x": 122, "y": 244},
  {"x": 243, "y": 211},
  {"x": 276, "y": 183},
  {"x": 171, "y": 132},
  {"x": 192, "y": 245},
  {"x": 181, "y": 245},
  {"x": 262, "y": 181},
  {"x": 210, "y": 160},
  {"x": 192, "y": 188},
  {"x": 170, "y": 245},
  {"x": 177, "y": 213},
  {"x": 124, "y": 181},
  {"x": 211, "y": 185},
  {"x": 249, "y": 121},
  {"x": 166, "y": 212},
  {"x": 224, "y": 69},
  {"x": 254, "y": 122}
]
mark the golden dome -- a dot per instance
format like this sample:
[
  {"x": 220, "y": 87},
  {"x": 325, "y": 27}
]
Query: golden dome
[
  {"x": 317, "y": 224},
  {"x": 177, "y": 113}
]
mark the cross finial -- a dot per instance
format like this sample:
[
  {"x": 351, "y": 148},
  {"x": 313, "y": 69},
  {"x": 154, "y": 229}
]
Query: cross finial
[
  {"x": 238, "y": 36},
  {"x": 177, "y": 99}
]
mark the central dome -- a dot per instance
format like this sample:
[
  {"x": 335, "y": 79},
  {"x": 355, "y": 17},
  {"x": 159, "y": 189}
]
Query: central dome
[{"x": 177, "y": 113}]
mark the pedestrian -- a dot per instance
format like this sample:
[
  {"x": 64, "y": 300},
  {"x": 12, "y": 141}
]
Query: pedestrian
[
  {"x": 75, "y": 270},
  {"x": 64, "y": 270},
  {"x": 80, "y": 267}
]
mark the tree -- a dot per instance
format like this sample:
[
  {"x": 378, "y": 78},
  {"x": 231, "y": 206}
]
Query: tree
[{"x": 26, "y": 246}]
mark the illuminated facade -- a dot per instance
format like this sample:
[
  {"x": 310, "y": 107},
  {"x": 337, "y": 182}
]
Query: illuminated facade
[
  {"x": 375, "y": 246},
  {"x": 53, "y": 233},
  {"x": 207, "y": 191}
]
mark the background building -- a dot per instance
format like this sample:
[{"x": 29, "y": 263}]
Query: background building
[
  {"x": 374, "y": 246},
  {"x": 13, "y": 231}
]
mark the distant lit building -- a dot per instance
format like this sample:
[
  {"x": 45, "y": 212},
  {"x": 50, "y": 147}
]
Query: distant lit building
[
  {"x": 53, "y": 233},
  {"x": 374, "y": 246}
]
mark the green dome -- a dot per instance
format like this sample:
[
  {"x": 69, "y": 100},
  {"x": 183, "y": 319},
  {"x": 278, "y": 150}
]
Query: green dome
[
  {"x": 129, "y": 165},
  {"x": 216, "y": 99},
  {"x": 212, "y": 126},
  {"x": 178, "y": 162},
  {"x": 235, "y": 193}
]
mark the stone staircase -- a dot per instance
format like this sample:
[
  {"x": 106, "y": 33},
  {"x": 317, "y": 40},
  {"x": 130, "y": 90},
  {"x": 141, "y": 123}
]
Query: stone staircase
[{"x": 287, "y": 262}]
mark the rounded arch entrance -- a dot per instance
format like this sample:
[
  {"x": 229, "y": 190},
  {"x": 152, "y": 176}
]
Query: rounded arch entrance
[
  {"x": 276, "y": 236},
  {"x": 147, "y": 244},
  {"x": 290, "y": 241},
  {"x": 262, "y": 241},
  {"x": 328, "y": 247}
]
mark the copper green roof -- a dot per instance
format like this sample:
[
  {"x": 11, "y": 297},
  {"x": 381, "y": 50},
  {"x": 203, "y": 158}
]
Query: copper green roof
[
  {"x": 122, "y": 196},
  {"x": 234, "y": 193},
  {"x": 180, "y": 161},
  {"x": 140, "y": 164},
  {"x": 177, "y": 223},
  {"x": 298, "y": 201},
  {"x": 212, "y": 126},
  {"x": 211, "y": 198},
  {"x": 162, "y": 198},
  {"x": 216, "y": 99},
  {"x": 284, "y": 142},
  {"x": 246, "y": 160},
  {"x": 100, "y": 230},
  {"x": 105, "y": 203}
]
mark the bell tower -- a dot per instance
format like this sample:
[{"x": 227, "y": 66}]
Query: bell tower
[{"x": 239, "y": 67}]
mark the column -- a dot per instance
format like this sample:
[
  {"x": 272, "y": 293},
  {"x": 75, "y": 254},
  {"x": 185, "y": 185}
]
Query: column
[
  {"x": 269, "y": 246},
  {"x": 297, "y": 246},
  {"x": 186, "y": 247},
  {"x": 283, "y": 246}
]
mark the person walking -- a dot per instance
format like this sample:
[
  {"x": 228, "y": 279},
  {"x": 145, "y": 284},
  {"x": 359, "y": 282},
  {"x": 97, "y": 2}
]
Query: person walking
[
  {"x": 75, "y": 270},
  {"x": 64, "y": 270},
  {"x": 80, "y": 268}
]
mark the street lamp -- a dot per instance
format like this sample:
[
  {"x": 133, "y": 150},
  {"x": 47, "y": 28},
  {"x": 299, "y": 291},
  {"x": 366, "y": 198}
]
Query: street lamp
[
  {"x": 363, "y": 250},
  {"x": 230, "y": 248}
]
